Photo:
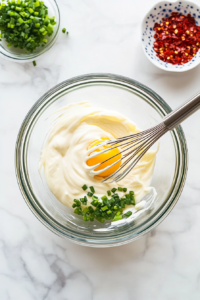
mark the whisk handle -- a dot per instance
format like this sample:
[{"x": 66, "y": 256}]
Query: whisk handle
[{"x": 183, "y": 112}]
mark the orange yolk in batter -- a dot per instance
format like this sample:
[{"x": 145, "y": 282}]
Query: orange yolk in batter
[{"x": 104, "y": 156}]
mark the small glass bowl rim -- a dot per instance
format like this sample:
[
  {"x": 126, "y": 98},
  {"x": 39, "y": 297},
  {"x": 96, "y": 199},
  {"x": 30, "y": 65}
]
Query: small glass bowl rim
[{"x": 44, "y": 218}]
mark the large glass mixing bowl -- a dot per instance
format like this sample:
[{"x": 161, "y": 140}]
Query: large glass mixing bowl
[{"x": 136, "y": 102}]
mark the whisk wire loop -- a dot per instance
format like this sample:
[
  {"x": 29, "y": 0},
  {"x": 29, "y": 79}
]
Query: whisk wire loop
[{"x": 133, "y": 147}]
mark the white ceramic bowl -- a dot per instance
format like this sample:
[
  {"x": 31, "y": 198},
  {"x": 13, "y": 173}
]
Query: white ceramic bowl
[{"x": 162, "y": 10}]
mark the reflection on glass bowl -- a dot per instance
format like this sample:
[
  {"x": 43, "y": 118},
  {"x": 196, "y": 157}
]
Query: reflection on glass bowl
[{"x": 136, "y": 102}]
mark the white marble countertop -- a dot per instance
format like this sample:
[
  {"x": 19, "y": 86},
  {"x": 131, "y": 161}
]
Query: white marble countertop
[{"x": 35, "y": 264}]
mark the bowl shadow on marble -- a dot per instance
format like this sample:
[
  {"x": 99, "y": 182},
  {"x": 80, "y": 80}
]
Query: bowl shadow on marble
[
  {"x": 108, "y": 258},
  {"x": 173, "y": 80}
]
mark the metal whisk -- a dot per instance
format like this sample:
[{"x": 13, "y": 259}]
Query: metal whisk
[{"x": 134, "y": 146}]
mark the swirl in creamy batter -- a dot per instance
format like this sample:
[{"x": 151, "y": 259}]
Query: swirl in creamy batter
[{"x": 64, "y": 155}]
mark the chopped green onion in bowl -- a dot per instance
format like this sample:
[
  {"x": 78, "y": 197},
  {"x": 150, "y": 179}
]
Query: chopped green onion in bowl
[
  {"x": 25, "y": 24},
  {"x": 104, "y": 208}
]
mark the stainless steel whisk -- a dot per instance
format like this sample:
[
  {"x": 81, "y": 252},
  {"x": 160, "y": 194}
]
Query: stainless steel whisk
[{"x": 134, "y": 146}]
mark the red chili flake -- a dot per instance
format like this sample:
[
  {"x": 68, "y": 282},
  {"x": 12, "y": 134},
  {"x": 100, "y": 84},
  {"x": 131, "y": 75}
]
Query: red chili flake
[{"x": 177, "y": 39}]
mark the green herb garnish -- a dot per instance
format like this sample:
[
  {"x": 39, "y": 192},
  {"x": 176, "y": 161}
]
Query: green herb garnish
[
  {"x": 25, "y": 24},
  {"x": 84, "y": 187},
  {"x": 117, "y": 218},
  {"x": 104, "y": 208},
  {"x": 92, "y": 189},
  {"x": 84, "y": 200},
  {"x": 90, "y": 194},
  {"x": 128, "y": 213}
]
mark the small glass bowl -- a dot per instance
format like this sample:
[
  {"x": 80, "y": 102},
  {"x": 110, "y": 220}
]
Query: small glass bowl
[
  {"x": 19, "y": 55},
  {"x": 136, "y": 102}
]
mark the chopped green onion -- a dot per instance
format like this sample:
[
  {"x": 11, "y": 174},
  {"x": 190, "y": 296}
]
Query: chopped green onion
[
  {"x": 104, "y": 208},
  {"x": 117, "y": 218},
  {"x": 34, "y": 63},
  {"x": 132, "y": 202},
  {"x": 122, "y": 204},
  {"x": 94, "y": 202},
  {"x": 84, "y": 187},
  {"x": 104, "y": 197},
  {"x": 115, "y": 196},
  {"x": 64, "y": 30},
  {"x": 84, "y": 200},
  {"x": 21, "y": 21},
  {"x": 78, "y": 211},
  {"x": 109, "y": 193},
  {"x": 128, "y": 213},
  {"x": 92, "y": 189},
  {"x": 90, "y": 194},
  {"x": 78, "y": 203},
  {"x": 127, "y": 201},
  {"x": 120, "y": 189},
  {"x": 85, "y": 218}
]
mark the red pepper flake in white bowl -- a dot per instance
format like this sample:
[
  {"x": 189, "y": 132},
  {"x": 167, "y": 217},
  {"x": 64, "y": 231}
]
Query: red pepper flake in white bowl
[
  {"x": 176, "y": 44},
  {"x": 177, "y": 39}
]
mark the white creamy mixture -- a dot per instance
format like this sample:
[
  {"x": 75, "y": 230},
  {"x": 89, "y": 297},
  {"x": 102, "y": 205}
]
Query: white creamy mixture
[{"x": 64, "y": 153}]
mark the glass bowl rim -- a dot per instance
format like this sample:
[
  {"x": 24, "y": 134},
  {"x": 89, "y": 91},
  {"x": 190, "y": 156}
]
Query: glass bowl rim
[
  {"x": 44, "y": 218},
  {"x": 22, "y": 58}
]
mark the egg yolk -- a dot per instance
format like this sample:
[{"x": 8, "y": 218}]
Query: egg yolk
[{"x": 104, "y": 156}]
